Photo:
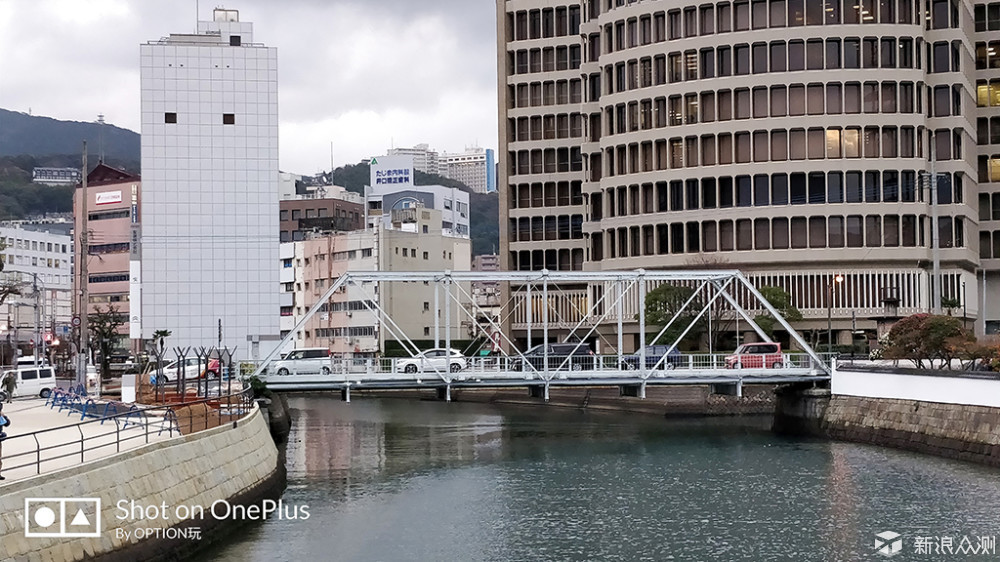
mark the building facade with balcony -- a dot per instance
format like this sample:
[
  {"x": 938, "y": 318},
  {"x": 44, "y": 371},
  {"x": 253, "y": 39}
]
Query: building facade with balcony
[
  {"x": 412, "y": 240},
  {"x": 790, "y": 139}
]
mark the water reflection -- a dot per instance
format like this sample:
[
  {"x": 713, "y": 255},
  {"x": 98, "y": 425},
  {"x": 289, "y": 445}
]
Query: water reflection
[{"x": 409, "y": 480}]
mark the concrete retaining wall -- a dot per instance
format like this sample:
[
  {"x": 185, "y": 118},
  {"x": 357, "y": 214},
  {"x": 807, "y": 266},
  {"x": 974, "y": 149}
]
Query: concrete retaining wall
[
  {"x": 949, "y": 416},
  {"x": 964, "y": 432},
  {"x": 239, "y": 464},
  {"x": 938, "y": 387}
]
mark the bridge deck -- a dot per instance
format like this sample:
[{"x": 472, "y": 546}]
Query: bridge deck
[{"x": 487, "y": 373}]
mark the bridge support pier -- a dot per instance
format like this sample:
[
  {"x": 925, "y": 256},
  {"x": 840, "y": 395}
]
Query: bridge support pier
[
  {"x": 444, "y": 393},
  {"x": 539, "y": 391},
  {"x": 642, "y": 390},
  {"x": 345, "y": 394}
]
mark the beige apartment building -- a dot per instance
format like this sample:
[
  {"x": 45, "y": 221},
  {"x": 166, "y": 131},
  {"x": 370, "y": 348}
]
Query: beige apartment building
[
  {"x": 412, "y": 240},
  {"x": 790, "y": 139}
]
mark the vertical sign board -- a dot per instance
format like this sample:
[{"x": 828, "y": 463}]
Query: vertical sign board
[
  {"x": 135, "y": 271},
  {"x": 391, "y": 172},
  {"x": 135, "y": 299}
]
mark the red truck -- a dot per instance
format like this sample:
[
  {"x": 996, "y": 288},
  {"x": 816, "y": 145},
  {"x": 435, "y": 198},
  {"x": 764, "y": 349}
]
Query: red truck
[{"x": 756, "y": 356}]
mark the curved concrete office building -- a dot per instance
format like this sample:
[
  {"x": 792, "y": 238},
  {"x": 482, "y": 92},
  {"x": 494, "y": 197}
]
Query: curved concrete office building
[{"x": 791, "y": 139}]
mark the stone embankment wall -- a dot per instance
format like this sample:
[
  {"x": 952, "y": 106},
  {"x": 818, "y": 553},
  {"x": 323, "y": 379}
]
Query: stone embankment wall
[
  {"x": 964, "y": 432},
  {"x": 236, "y": 462},
  {"x": 935, "y": 413},
  {"x": 659, "y": 400}
]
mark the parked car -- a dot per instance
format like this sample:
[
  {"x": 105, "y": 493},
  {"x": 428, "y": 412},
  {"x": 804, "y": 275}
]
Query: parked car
[
  {"x": 433, "y": 360},
  {"x": 307, "y": 360},
  {"x": 579, "y": 356},
  {"x": 192, "y": 370},
  {"x": 756, "y": 356},
  {"x": 653, "y": 354},
  {"x": 31, "y": 381}
]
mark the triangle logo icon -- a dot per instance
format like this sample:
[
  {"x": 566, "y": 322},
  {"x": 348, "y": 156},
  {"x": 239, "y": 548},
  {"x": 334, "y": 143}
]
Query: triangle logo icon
[
  {"x": 80, "y": 519},
  {"x": 374, "y": 162}
]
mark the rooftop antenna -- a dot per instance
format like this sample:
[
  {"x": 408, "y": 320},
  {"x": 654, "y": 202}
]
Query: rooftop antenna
[
  {"x": 196, "y": 11},
  {"x": 100, "y": 138},
  {"x": 331, "y": 158}
]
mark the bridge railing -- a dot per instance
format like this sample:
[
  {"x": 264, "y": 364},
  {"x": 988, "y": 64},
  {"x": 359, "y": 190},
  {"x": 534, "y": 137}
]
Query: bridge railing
[{"x": 583, "y": 365}]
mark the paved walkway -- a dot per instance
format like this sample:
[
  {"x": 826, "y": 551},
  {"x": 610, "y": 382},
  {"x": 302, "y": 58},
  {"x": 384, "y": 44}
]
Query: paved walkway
[{"x": 58, "y": 444}]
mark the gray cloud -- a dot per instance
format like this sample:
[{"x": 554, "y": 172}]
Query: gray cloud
[{"x": 360, "y": 73}]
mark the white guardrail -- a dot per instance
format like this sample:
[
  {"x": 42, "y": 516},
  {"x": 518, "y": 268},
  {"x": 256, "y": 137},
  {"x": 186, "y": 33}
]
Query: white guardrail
[{"x": 559, "y": 367}]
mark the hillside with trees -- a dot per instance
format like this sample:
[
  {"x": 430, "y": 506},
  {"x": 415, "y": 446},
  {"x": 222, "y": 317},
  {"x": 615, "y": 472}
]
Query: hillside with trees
[
  {"x": 21, "y": 199},
  {"x": 33, "y": 135}
]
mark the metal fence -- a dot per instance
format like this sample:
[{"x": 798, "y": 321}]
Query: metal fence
[
  {"x": 631, "y": 365},
  {"x": 132, "y": 428}
]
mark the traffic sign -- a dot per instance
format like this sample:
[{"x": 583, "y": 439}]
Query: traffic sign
[{"x": 76, "y": 321}]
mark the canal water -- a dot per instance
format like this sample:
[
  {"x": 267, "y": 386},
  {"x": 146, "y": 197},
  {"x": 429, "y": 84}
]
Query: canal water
[{"x": 415, "y": 480}]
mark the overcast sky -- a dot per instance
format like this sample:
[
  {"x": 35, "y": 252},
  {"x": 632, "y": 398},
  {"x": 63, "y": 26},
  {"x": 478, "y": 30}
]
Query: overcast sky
[{"x": 365, "y": 74}]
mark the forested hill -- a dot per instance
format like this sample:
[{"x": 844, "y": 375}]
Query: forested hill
[{"x": 23, "y": 134}]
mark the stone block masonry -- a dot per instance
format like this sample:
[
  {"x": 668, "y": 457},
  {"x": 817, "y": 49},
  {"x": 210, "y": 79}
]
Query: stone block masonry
[
  {"x": 963, "y": 432},
  {"x": 234, "y": 462}
]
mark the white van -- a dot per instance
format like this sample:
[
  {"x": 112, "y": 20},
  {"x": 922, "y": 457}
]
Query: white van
[
  {"x": 29, "y": 361},
  {"x": 33, "y": 381}
]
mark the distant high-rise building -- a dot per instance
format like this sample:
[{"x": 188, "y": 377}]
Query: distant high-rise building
[
  {"x": 424, "y": 159},
  {"x": 475, "y": 168},
  {"x": 210, "y": 187}
]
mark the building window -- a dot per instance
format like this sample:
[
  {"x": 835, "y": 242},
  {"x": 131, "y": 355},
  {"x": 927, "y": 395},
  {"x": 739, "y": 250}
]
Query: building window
[
  {"x": 170, "y": 117},
  {"x": 235, "y": 40},
  {"x": 228, "y": 118}
]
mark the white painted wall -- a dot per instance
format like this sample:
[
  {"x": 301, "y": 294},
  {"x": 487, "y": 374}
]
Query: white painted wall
[{"x": 945, "y": 390}]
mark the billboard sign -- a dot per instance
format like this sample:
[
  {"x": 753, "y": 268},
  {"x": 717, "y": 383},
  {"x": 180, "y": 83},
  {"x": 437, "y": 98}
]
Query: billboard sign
[
  {"x": 109, "y": 197},
  {"x": 391, "y": 171}
]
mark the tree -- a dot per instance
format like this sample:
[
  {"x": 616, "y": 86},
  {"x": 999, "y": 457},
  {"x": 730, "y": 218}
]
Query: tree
[
  {"x": 160, "y": 335},
  {"x": 104, "y": 330},
  {"x": 782, "y": 302},
  {"x": 663, "y": 303},
  {"x": 928, "y": 338}
]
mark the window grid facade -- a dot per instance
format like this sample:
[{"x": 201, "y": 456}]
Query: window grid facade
[{"x": 758, "y": 135}]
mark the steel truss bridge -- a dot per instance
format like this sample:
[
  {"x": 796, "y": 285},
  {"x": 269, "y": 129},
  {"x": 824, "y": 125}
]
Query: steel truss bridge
[{"x": 531, "y": 298}]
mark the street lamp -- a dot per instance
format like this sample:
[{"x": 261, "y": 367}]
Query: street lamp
[{"x": 829, "y": 311}]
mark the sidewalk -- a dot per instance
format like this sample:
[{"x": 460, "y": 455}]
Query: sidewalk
[{"x": 29, "y": 415}]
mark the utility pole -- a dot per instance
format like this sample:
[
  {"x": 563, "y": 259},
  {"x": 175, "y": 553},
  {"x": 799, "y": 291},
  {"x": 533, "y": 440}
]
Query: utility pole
[
  {"x": 84, "y": 347},
  {"x": 935, "y": 232}
]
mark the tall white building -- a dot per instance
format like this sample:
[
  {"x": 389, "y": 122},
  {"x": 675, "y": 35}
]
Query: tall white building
[{"x": 210, "y": 188}]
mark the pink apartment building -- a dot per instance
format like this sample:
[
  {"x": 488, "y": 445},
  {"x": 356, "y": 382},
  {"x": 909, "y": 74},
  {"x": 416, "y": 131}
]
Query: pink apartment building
[{"x": 113, "y": 198}]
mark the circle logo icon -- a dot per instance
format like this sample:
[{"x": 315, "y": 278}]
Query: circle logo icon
[{"x": 44, "y": 516}]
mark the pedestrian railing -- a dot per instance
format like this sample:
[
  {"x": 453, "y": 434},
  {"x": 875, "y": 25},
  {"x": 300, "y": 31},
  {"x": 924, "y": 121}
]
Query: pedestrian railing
[
  {"x": 58, "y": 447},
  {"x": 528, "y": 366}
]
